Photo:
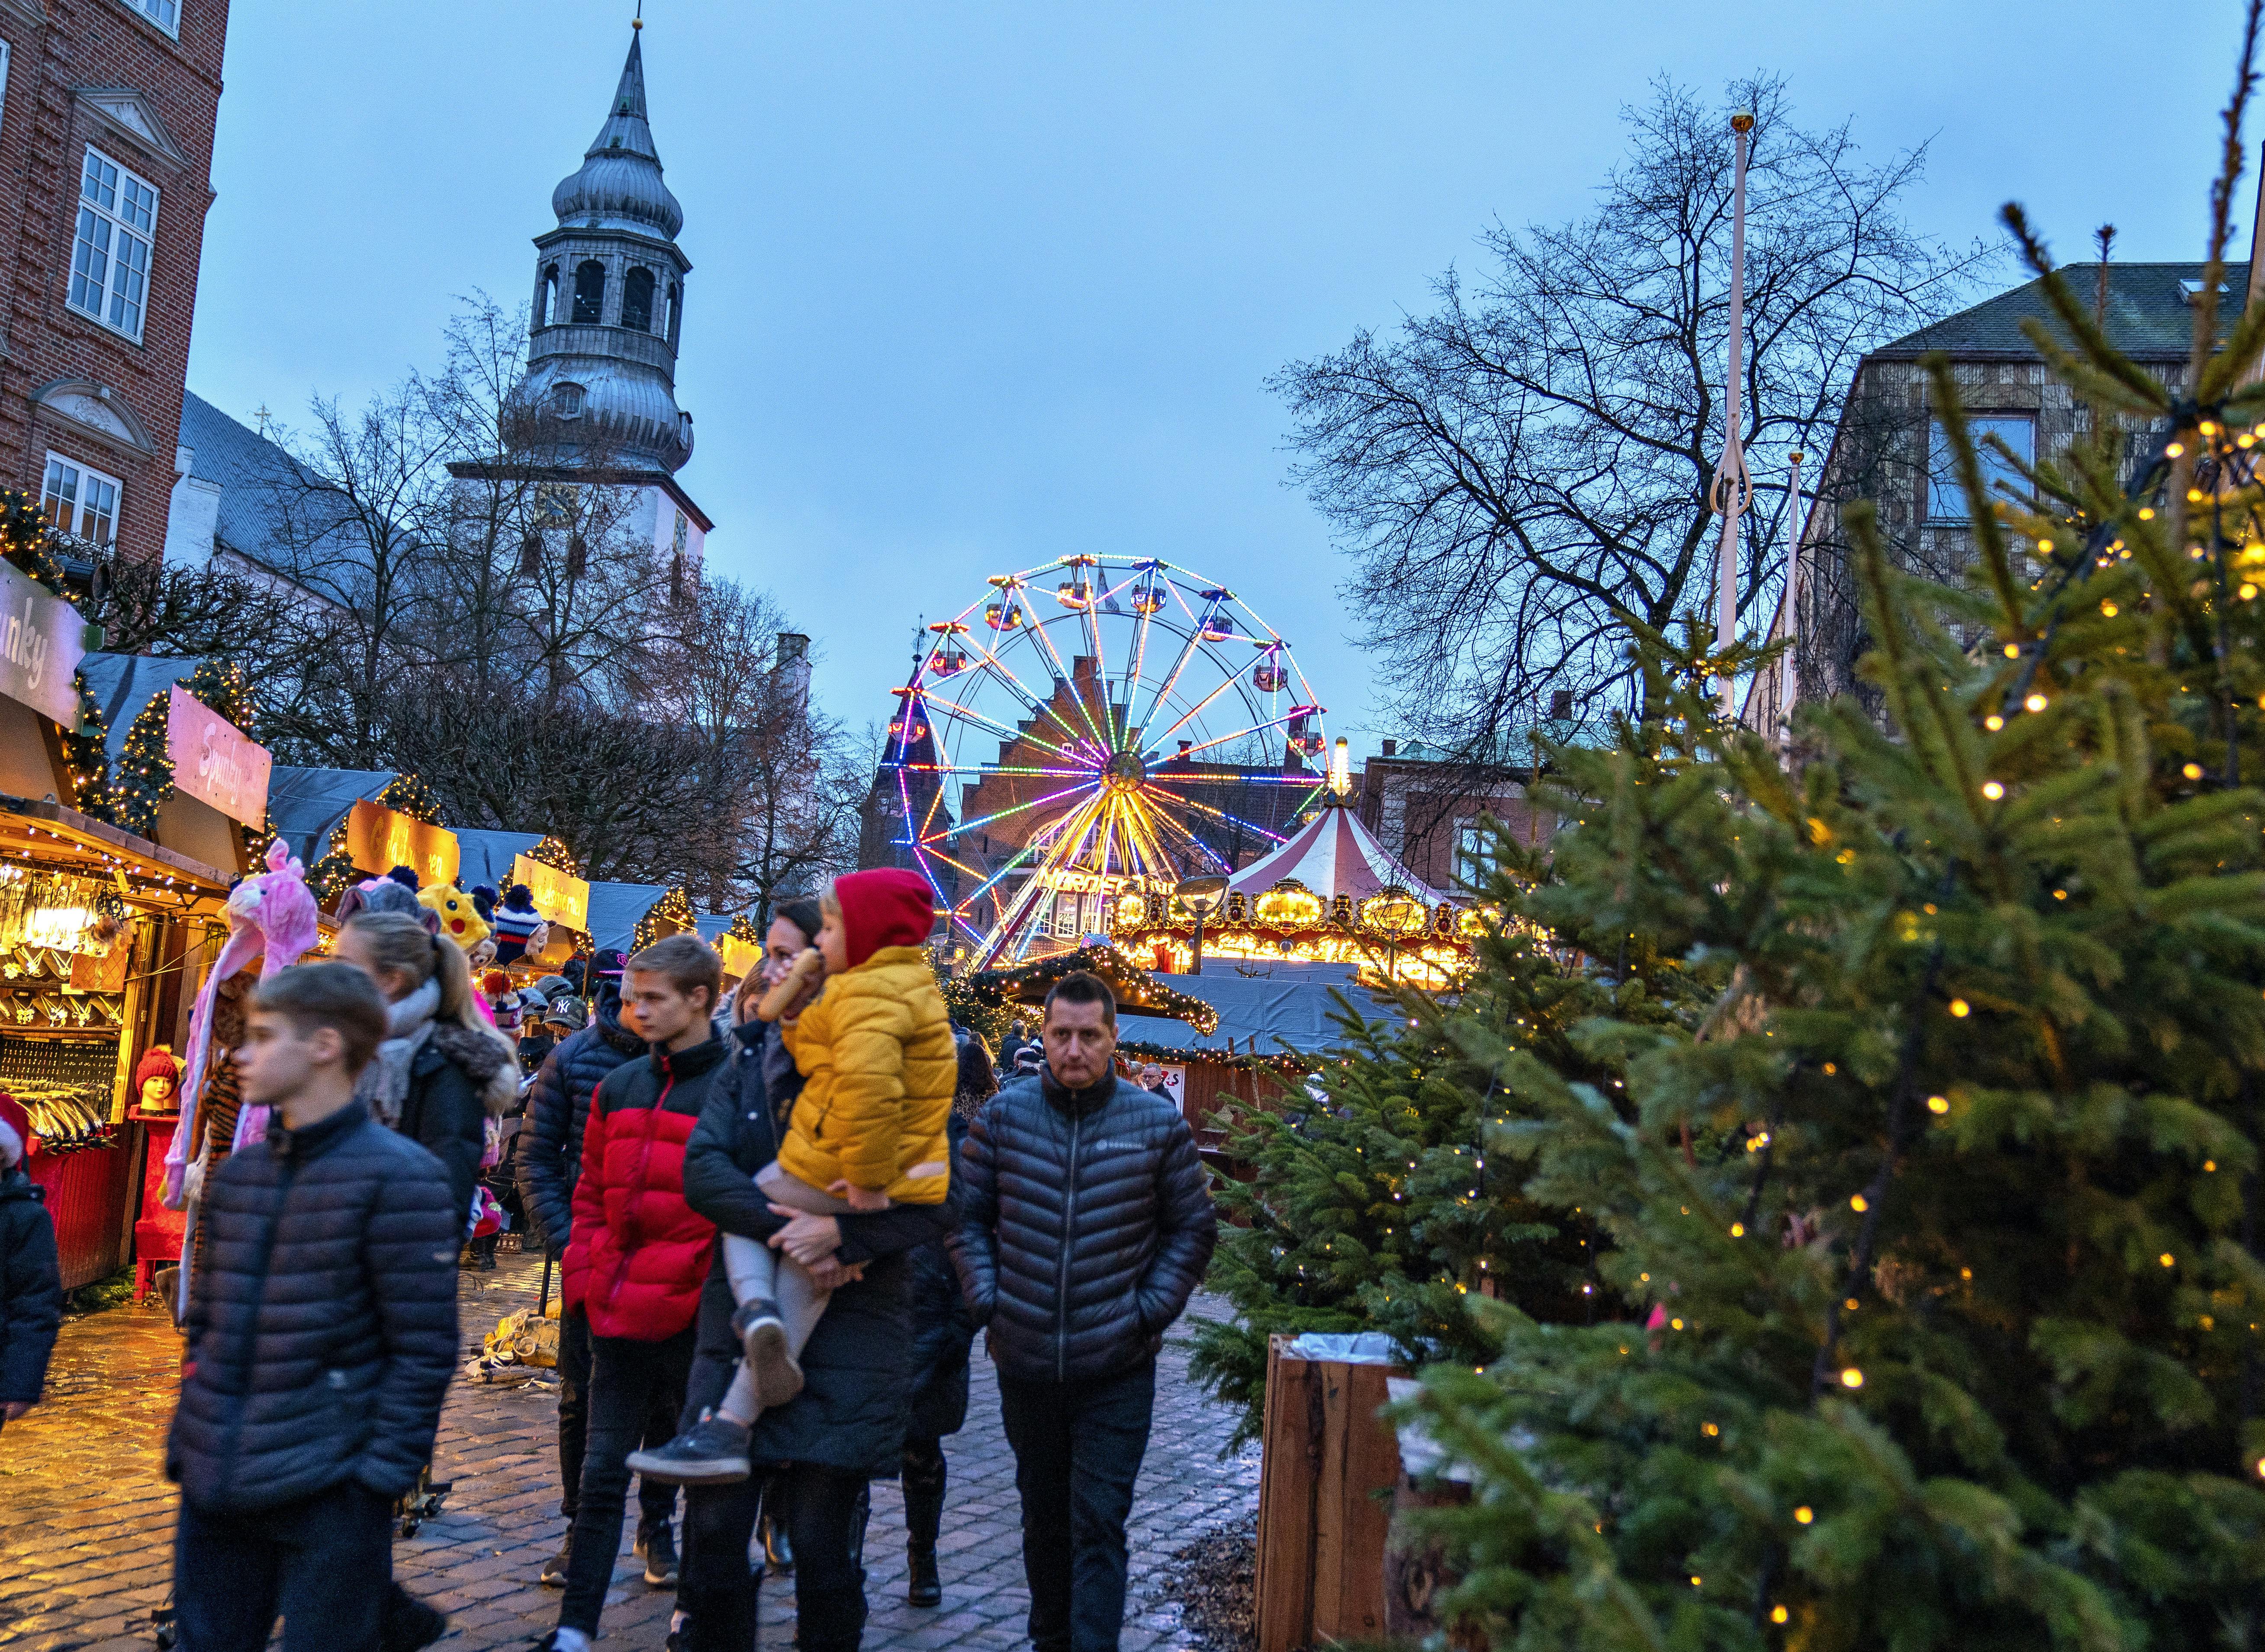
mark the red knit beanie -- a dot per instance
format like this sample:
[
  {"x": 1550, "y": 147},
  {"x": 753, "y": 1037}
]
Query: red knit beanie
[{"x": 890, "y": 907}]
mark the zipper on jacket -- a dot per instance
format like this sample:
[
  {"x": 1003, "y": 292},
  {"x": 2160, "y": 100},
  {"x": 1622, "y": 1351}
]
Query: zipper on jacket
[
  {"x": 250, "y": 1340},
  {"x": 637, "y": 1181},
  {"x": 1069, "y": 1243}
]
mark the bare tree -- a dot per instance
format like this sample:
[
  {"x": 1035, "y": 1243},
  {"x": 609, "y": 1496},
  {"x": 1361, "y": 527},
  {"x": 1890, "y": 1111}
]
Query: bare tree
[{"x": 1512, "y": 471}]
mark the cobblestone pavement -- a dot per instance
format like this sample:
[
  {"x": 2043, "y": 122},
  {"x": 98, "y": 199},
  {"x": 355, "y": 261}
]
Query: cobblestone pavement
[{"x": 86, "y": 1515}]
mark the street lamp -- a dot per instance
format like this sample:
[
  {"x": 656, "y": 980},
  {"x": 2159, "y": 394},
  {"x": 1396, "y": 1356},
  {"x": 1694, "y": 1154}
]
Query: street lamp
[
  {"x": 1204, "y": 894},
  {"x": 1734, "y": 489}
]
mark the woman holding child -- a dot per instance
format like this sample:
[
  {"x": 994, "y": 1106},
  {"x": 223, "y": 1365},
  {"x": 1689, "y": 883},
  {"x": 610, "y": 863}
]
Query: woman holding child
[{"x": 845, "y": 1423}]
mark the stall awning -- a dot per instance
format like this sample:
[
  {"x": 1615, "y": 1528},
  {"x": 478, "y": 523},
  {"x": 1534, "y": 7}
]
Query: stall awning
[
  {"x": 304, "y": 805},
  {"x": 1261, "y": 1006},
  {"x": 72, "y": 841},
  {"x": 123, "y": 684},
  {"x": 487, "y": 856},
  {"x": 615, "y": 910},
  {"x": 1136, "y": 990}
]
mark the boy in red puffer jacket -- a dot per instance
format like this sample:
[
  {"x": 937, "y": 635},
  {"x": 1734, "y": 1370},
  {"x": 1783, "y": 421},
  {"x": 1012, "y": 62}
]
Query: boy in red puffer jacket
[{"x": 638, "y": 1255}]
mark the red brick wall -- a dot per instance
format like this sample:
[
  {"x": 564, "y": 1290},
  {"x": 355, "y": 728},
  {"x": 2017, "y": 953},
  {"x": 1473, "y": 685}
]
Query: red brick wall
[{"x": 44, "y": 133}]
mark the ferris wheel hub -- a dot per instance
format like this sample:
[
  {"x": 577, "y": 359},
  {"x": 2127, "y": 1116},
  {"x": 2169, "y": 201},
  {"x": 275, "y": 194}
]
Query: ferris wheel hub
[{"x": 1125, "y": 771}]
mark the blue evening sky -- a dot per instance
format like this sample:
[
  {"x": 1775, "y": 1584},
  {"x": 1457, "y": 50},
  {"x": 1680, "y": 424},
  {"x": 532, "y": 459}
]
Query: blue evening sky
[{"x": 977, "y": 285}]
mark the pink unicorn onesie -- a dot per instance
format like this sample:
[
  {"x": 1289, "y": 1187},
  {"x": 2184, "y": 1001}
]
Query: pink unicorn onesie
[{"x": 272, "y": 916}]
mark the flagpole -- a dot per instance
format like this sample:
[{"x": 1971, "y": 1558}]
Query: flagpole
[
  {"x": 1791, "y": 680},
  {"x": 1733, "y": 489}
]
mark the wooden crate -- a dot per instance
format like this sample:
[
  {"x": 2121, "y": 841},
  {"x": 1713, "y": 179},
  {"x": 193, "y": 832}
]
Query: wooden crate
[{"x": 1322, "y": 1523}]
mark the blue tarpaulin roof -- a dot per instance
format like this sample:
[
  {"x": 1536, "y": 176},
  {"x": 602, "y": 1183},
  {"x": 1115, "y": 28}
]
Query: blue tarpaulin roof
[
  {"x": 614, "y": 909},
  {"x": 487, "y": 856},
  {"x": 305, "y": 804},
  {"x": 1261, "y": 1006},
  {"x": 122, "y": 684}
]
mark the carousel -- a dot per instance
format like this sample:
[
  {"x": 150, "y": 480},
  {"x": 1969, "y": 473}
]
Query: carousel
[{"x": 1331, "y": 894}]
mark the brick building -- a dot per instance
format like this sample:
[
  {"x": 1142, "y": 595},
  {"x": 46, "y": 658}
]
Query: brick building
[
  {"x": 1889, "y": 448},
  {"x": 106, "y": 116},
  {"x": 1425, "y": 807}
]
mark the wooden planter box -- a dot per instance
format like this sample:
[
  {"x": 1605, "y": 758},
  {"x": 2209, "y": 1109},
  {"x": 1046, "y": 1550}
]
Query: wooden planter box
[{"x": 1321, "y": 1522}]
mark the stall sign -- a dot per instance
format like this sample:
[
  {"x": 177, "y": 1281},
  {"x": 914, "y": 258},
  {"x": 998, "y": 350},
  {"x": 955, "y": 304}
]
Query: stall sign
[
  {"x": 1175, "y": 1085},
  {"x": 379, "y": 839},
  {"x": 215, "y": 761},
  {"x": 741, "y": 958},
  {"x": 43, "y": 639},
  {"x": 560, "y": 896}
]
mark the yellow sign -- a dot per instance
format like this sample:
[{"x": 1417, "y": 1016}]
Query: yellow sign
[
  {"x": 741, "y": 958},
  {"x": 1289, "y": 906},
  {"x": 379, "y": 839},
  {"x": 561, "y": 897}
]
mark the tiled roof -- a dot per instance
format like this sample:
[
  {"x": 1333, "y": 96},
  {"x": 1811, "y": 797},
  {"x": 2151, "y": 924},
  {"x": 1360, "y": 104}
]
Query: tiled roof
[{"x": 2148, "y": 315}]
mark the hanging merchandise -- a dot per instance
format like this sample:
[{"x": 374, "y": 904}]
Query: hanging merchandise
[{"x": 65, "y": 1086}]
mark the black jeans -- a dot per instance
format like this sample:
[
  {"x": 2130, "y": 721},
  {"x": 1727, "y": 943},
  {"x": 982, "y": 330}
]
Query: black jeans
[
  {"x": 1078, "y": 1447},
  {"x": 655, "y": 1502},
  {"x": 325, "y": 1563},
  {"x": 717, "y": 1588},
  {"x": 630, "y": 1382}
]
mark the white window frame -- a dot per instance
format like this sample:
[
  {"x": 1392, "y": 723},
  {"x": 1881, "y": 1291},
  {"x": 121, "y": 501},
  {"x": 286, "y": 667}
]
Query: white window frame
[
  {"x": 166, "y": 14},
  {"x": 82, "y": 473},
  {"x": 97, "y": 236},
  {"x": 4, "y": 82}
]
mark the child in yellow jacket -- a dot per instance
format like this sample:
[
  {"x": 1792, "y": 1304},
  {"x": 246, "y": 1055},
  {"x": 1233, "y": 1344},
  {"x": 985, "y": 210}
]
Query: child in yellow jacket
[{"x": 879, "y": 1064}]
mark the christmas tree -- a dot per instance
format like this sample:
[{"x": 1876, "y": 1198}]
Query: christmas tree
[
  {"x": 1931, "y": 1240},
  {"x": 1375, "y": 1203}
]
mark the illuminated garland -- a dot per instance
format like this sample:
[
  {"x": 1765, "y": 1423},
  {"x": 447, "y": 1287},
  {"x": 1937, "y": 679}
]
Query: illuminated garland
[
  {"x": 406, "y": 793},
  {"x": 1134, "y": 986},
  {"x": 1283, "y": 1064},
  {"x": 143, "y": 777},
  {"x": 27, "y": 540},
  {"x": 674, "y": 908},
  {"x": 556, "y": 855},
  {"x": 743, "y": 928},
  {"x": 85, "y": 748}
]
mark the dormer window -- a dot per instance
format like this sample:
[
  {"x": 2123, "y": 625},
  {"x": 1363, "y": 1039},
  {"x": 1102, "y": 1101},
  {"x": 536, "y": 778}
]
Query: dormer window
[
  {"x": 636, "y": 300},
  {"x": 566, "y": 401}
]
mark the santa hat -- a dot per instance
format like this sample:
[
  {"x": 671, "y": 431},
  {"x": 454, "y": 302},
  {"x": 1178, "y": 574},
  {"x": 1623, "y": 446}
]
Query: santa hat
[
  {"x": 15, "y": 1129},
  {"x": 887, "y": 907}
]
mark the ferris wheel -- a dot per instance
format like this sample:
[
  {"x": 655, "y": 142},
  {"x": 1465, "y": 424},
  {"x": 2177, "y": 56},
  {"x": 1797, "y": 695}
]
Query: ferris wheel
[{"x": 1088, "y": 734}]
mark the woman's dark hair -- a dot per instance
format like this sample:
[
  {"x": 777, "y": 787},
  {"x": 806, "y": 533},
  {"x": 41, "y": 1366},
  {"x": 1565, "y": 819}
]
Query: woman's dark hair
[
  {"x": 977, "y": 1083},
  {"x": 802, "y": 912}
]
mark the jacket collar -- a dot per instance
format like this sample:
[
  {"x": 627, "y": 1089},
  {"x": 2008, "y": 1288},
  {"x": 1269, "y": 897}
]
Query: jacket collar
[
  {"x": 15, "y": 1184},
  {"x": 685, "y": 1063},
  {"x": 1083, "y": 1103},
  {"x": 315, "y": 1138},
  {"x": 608, "y": 1025}
]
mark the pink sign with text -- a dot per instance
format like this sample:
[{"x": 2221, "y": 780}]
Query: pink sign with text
[{"x": 215, "y": 761}]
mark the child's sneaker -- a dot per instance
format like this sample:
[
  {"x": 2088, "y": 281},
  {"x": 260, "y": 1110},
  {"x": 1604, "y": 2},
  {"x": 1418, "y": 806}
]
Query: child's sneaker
[
  {"x": 713, "y": 1451},
  {"x": 762, "y": 1335}
]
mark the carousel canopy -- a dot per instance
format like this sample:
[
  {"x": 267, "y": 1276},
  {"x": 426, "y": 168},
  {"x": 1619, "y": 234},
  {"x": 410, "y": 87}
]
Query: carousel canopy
[{"x": 1333, "y": 854}]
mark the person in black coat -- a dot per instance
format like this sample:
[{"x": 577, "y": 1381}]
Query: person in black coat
[
  {"x": 321, "y": 1334},
  {"x": 549, "y": 1164},
  {"x": 943, "y": 1330},
  {"x": 1085, "y": 1224},
  {"x": 31, "y": 1274},
  {"x": 846, "y": 1428}
]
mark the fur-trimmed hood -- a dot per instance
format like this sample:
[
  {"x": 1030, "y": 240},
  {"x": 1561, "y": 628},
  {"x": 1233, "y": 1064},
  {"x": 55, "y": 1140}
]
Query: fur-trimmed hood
[{"x": 486, "y": 1058}]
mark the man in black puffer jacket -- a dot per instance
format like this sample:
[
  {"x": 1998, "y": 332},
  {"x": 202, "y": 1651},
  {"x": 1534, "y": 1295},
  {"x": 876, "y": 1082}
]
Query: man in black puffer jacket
[
  {"x": 321, "y": 1333},
  {"x": 548, "y": 1163},
  {"x": 1086, "y": 1223}
]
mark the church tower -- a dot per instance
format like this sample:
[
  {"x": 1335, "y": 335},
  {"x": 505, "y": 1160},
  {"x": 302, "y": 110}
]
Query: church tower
[{"x": 608, "y": 315}]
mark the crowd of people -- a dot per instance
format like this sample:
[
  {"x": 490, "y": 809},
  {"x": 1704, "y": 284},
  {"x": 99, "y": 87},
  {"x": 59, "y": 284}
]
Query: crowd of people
[{"x": 780, "y": 1219}]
